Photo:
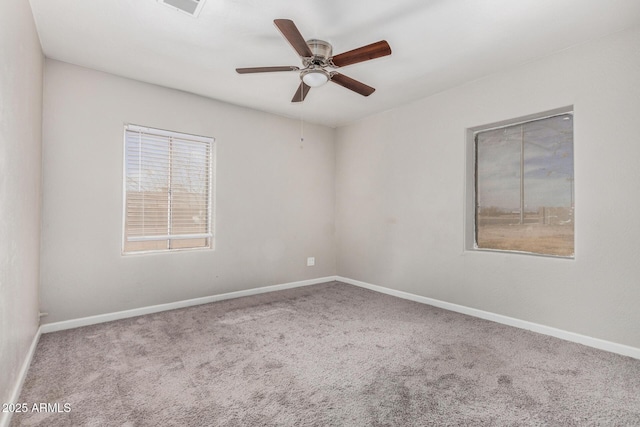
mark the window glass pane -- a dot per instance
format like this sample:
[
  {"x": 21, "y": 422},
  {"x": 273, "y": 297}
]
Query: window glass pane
[
  {"x": 536, "y": 213},
  {"x": 189, "y": 243},
  {"x": 498, "y": 178},
  {"x": 153, "y": 245},
  {"x": 190, "y": 187}
]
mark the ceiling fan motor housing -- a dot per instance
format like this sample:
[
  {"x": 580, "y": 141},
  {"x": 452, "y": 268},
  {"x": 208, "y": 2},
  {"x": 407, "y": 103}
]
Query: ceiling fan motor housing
[{"x": 322, "y": 52}]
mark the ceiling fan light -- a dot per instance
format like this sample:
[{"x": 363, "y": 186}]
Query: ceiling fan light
[{"x": 315, "y": 78}]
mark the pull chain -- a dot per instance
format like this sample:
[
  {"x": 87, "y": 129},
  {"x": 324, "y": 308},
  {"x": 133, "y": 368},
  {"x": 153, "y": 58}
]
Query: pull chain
[{"x": 301, "y": 122}]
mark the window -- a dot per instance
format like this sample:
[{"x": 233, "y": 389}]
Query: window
[
  {"x": 168, "y": 186},
  {"x": 524, "y": 198}
]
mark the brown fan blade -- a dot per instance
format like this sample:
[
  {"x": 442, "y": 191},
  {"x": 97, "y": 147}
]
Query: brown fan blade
[
  {"x": 301, "y": 93},
  {"x": 293, "y": 36},
  {"x": 352, "y": 84},
  {"x": 266, "y": 69},
  {"x": 364, "y": 53}
]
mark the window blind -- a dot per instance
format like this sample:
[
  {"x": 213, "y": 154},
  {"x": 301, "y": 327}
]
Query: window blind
[{"x": 168, "y": 187}]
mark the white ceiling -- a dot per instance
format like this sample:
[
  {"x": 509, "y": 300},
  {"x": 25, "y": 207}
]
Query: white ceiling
[{"x": 436, "y": 44}]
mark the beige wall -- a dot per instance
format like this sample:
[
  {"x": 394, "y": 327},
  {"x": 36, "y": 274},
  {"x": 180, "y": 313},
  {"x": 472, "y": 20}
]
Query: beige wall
[
  {"x": 401, "y": 179},
  {"x": 274, "y": 199},
  {"x": 21, "y": 65}
]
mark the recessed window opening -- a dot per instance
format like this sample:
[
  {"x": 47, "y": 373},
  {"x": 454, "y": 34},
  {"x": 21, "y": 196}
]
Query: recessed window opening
[
  {"x": 524, "y": 187},
  {"x": 167, "y": 190}
]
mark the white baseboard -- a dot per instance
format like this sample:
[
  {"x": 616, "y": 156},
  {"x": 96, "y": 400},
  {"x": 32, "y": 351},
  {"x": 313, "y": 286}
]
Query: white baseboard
[
  {"x": 612, "y": 347},
  {"x": 622, "y": 349},
  {"x": 108, "y": 317},
  {"x": 5, "y": 417}
]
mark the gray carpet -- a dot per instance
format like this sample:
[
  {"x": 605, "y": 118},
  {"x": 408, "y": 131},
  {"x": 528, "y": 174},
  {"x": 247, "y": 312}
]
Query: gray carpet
[{"x": 324, "y": 355}]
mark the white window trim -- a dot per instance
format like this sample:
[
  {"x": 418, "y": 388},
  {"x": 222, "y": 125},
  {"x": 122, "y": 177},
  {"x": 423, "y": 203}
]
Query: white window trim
[{"x": 211, "y": 199}]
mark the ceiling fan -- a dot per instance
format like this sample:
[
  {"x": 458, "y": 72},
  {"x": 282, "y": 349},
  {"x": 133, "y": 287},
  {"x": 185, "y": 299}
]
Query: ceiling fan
[{"x": 316, "y": 56}]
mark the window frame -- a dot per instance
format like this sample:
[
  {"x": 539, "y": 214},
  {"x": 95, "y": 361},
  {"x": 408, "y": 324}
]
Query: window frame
[
  {"x": 211, "y": 186},
  {"x": 471, "y": 165}
]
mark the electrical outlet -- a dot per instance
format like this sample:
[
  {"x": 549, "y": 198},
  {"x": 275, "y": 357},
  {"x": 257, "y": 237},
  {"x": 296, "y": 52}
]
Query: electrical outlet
[{"x": 311, "y": 261}]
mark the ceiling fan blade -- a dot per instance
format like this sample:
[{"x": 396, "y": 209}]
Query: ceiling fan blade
[
  {"x": 266, "y": 69},
  {"x": 352, "y": 84},
  {"x": 301, "y": 93},
  {"x": 364, "y": 53},
  {"x": 293, "y": 36}
]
